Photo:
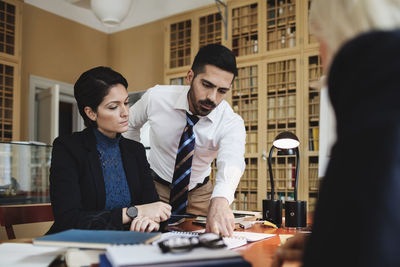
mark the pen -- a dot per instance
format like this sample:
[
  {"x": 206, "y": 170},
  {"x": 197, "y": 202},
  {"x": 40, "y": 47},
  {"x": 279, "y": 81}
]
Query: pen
[{"x": 183, "y": 216}]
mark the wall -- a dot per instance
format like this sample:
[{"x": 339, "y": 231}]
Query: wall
[
  {"x": 138, "y": 53},
  {"x": 58, "y": 49}
]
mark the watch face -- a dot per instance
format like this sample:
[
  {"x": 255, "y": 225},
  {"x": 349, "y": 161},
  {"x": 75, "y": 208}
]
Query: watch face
[{"x": 132, "y": 212}]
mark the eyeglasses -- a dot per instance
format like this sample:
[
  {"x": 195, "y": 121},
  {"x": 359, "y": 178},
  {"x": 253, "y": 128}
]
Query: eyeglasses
[{"x": 184, "y": 244}]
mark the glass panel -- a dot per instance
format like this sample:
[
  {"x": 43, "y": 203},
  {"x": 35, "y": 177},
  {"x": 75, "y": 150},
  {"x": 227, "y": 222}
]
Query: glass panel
[
  {"x": 281, "y": 24},
  {"x": 210, "y": 29},
  {"x": 180, "y": 44},
  {"x": 7, "y": 28},
  {"x": 245, "y": 30},
  {"x": 25, "y": 173},
  {"x": 281, "y": 116}
]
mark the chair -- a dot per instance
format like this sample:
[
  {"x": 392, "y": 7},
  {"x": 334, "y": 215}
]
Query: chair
[{"x": 12, "y": 215}]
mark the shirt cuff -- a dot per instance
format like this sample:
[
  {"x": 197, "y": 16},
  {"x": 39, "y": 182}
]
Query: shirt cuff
[{"x": 226, "y": 183}]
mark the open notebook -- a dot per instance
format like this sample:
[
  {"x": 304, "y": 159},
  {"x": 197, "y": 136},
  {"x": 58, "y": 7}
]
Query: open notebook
[{"x": 238, "y": 239}]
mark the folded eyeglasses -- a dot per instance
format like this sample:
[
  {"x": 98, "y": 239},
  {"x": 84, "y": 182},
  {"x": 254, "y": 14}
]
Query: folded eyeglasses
[{"x": 184, "y": 244}]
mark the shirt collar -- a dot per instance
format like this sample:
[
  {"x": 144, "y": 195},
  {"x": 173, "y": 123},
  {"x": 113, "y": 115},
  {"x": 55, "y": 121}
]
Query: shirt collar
[{"x": 183, "y": 104}]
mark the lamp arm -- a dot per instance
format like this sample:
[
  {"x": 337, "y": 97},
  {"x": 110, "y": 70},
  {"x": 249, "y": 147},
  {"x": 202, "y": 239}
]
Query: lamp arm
[
  {"x": 297, "y": 173},
  {"x": 270, "y": 173}
]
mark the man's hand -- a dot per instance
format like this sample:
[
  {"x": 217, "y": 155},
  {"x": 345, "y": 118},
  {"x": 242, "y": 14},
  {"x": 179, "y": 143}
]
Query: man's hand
[
  {"x": 220, "y": 218},
  {"x": 144, "y": 224},
  {"x": 156, "y": 211},
  {"x": 292, "y": 250}
]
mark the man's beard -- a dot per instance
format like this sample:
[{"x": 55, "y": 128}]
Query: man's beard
[{"x": 199, "y": 110}]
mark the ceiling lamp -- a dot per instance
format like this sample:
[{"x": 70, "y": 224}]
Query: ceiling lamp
[{"x": 111, "y": 12}]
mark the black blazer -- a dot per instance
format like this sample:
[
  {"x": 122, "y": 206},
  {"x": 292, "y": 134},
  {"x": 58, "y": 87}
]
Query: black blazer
[
  {"x": 77, "y": 188},
  {"x": 357, "y": 219}
]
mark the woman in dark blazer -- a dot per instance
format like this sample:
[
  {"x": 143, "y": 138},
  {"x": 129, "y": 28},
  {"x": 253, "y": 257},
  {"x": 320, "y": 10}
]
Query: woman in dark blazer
[{"x": 99, "y": 179}]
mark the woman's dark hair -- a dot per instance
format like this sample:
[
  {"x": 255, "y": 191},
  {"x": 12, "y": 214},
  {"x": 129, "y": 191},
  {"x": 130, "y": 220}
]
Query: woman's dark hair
[
  {"x": 216, "y": 55},
  {"x": 91, "y": 88}
]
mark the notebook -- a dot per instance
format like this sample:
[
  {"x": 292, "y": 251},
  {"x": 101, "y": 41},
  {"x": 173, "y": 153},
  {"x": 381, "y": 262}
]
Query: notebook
[
  {"x": 151, "y": 255},
  {"x": 238, "y": 239},
  {"x": 95, "y": 238}
]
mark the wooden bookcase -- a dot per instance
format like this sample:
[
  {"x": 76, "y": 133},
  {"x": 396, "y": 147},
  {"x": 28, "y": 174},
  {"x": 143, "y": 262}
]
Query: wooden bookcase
[
  {"x": 10, "y": 62},
  {"x": 275, "y": 91}
]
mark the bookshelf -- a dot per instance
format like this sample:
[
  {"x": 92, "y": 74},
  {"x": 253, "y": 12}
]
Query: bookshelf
[
  {"x": 276, "y": 89},
  {"x": 314, "y": 67},
  {"x": 10, "y": 61}
]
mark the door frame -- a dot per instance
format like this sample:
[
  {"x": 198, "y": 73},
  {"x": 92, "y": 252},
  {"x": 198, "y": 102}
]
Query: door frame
[{"x": 36, "y": 84}]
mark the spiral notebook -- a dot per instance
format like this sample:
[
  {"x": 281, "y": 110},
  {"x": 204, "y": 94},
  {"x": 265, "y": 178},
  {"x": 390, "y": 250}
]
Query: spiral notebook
[
  {"x": 238, "y": 239},
  {"x": 151, "y": 255}
]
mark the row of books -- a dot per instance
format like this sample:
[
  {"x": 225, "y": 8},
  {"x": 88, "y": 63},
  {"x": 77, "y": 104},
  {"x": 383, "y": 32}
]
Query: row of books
[
  {"x": 246, "y": 115},
  {"x": 313, "y": 179},
  {"x": 282, "y": 77},
  {"x": 313, "y": 144},
  {"x": 314, "y": 109},
  {"x": 250, "y": 173},
  {"x": 247, "y": 184},
  {"x": 314, "y": 71},
  {"x": 246, "y": 82},
  {"x": 245, "y": 92},
  {"x": 282, "y": 195},
  {"x": 282, "y": 66},
  {"x": 281, "y": 88},
  {"x": 245, "y": 201},
  {"x": 245, "y": 45},
  {"x": 244, "y": 11},
  {"x": 251, "y": 148},
  {"x": 282, "y": 101}
]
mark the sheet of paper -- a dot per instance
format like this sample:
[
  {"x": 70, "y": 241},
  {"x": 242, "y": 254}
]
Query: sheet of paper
[
  {"x": 238, "y": 239},
  {"x": 24, "y": 255}
]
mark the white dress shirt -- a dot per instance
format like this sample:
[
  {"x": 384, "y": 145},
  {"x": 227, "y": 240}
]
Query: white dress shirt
[{"x": 219, "y": 133}]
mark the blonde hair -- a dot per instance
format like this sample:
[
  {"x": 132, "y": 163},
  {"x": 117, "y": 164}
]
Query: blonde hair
[{"x": 336, "y": 21}]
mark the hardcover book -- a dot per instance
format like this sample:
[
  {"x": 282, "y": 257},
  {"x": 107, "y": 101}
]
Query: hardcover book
[{"x": 96, "y": 238}]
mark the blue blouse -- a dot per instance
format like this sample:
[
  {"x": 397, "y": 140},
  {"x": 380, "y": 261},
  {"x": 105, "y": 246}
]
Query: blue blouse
[{"x": 117, "y": 189}]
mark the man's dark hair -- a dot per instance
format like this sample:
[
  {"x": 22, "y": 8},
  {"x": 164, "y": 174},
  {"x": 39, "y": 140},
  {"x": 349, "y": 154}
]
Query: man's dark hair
[
  {"x": 216, "y": 55},
  {"x": 91, "y": 88}
]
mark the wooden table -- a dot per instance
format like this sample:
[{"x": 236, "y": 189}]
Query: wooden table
[{"x": 259, "y": 254}]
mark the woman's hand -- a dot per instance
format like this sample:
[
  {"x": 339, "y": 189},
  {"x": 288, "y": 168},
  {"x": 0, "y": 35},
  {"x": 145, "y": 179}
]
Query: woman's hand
[
  {"x": 144, "y": 224},
  {"x": 156, "y": 211},
  {"x": 292, "y": 250}
]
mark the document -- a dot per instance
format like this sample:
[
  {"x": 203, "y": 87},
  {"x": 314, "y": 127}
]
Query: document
[
  {"x": 238, "y": 238},
  {"x": 27, "y": 255}
]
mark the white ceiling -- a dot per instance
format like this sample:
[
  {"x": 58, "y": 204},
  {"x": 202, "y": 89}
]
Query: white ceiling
[{"x": 142, "y": 11}]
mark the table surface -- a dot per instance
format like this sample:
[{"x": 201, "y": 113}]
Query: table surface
[{"x": 260, "y": 253}]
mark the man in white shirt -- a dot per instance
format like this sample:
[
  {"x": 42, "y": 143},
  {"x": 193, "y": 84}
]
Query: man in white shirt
[{"x": 219, "y": 133}]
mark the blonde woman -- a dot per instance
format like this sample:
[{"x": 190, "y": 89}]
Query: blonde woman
[{"x": 357, "y": 221}]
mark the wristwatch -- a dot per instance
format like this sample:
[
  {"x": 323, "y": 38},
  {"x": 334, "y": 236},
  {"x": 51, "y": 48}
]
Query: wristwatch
[{"x": 132, "y": 212}]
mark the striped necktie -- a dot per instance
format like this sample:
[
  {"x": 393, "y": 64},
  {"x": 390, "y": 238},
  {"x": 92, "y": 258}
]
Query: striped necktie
[{"x": 183, "y": 167}]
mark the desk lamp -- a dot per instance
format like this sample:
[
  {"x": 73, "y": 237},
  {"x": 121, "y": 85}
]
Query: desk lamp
[
  {"x": 287, "y": 144},
  {"x": 272, "y": 209},
  {"x": 295, "y": 211}
]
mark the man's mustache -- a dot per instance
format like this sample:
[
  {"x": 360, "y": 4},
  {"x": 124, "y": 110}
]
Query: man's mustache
[{"x": 207, "y": 102}]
